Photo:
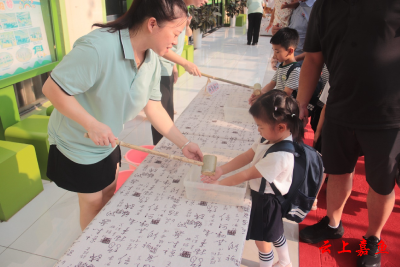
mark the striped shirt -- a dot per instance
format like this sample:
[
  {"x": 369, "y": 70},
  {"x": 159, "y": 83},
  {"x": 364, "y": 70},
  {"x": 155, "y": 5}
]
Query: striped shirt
[{"x": 282, "y": 81}]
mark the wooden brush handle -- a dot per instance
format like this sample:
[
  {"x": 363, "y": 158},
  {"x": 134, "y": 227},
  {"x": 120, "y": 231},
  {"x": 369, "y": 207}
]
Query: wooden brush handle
[
  {"x": 227, "y": 81},
  {"x": 161, "y": 154}
]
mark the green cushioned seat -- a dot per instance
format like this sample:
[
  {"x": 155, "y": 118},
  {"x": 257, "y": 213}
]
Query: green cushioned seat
[
  {"x": 241, "y": 20},
  {"x": 9, "y": 114},
  {"x": 49, "y": 110},
  {"x": 189, "y": 52},
  {"x": 181, "y": 70},
  {"x": 33, "y": 131},
  {"x": 19, "y": 177}
]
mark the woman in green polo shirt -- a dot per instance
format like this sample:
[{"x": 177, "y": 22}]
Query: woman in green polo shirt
[{"x": 110, "y": 75}]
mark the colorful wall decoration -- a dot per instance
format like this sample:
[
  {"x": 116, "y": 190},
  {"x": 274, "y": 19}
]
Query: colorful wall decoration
[{"x": 23, "y": 39}]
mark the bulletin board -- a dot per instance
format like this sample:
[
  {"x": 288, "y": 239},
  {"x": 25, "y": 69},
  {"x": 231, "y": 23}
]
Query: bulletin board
[{"x": 23, "y": 39}]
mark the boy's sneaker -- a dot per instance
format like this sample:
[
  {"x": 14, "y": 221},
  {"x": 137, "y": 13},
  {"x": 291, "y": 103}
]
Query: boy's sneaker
[
  {"x": 371, "y": 259},
  {"x": 321, "y": 231}
]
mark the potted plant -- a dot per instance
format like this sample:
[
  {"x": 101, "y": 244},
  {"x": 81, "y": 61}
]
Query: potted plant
[
  {"x": 195, "y": 25},
  {"x": 232, "y": 9},
  {"x": 202, "y": 19},
  {"x": 210, "y": 14}
]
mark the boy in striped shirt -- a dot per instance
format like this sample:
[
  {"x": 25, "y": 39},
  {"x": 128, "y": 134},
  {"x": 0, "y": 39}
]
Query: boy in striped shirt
[{"x": 284, "y": 43}]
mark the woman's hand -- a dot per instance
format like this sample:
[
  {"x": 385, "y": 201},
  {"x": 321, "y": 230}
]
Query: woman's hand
[
  {"x": 101, "y": 134},
  {"x": 192, "y": 69},
  {"x": 269, "y": 26},
  {"x": 214, "y": 178},
  {"x": 176, "y": 74},
  {"x": 192, "y": 151}
]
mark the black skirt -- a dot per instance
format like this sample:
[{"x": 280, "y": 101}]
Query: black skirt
[
  {"x": 265, "y": 218},
  {"x": 81, "y": 178}
]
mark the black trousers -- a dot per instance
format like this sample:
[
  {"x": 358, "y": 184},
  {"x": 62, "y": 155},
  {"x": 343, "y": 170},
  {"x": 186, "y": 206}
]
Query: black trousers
[
  {"x": 254, "y": 27},
  {"x": 167, "y": 101}
]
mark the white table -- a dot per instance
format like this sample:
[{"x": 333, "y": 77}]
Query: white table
[{"x": 150, "y": 222}]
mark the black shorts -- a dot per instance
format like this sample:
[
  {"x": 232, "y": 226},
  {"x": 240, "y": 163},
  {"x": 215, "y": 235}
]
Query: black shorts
[
  {"x": 265, "y": 222},
  {"x": 341, "y": 147},
  {"x": 81, "y": 178}
]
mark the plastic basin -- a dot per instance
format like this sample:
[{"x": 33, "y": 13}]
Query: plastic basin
[{"x": 136, "y": 157}]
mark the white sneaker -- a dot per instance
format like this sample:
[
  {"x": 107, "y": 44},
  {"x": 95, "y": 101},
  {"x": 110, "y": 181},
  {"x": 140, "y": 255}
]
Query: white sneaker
[{"x": 278, "y": 264}]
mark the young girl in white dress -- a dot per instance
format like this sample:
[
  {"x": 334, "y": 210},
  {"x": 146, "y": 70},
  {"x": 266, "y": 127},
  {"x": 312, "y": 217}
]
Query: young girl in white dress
[{"x": 277, "y": 118}]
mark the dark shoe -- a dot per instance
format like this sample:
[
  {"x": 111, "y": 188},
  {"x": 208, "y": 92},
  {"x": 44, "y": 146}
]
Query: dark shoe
[
  {"x": 254, "y": 43},
  {"x": 248, "y": 43},
  {"x": 371, "y": 259},
  {"x": 320, "y": 232}
]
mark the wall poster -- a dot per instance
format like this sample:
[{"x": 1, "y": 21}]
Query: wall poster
[{"x": 23, "y": 40}]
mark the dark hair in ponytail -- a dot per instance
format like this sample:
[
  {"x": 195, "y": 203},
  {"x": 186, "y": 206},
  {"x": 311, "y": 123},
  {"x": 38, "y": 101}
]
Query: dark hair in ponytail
[
  {"x": 277, "y": 107},
  {"x": 140, "y": 10}
]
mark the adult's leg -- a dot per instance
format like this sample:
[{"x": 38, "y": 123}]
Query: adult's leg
[
  {"x": 338, "y": 191},
  {"x": 108, "y": 192},
  {"x": 340, "y": 150},
  {"x": 379, "y": 209},
  {"x": 167, "y": 101},
  {"x": 257, "y": 25},
  {"x": 382, "y": 162},
  {"x": 250, "y": 30},
  {"x": 91, "y": 203}
]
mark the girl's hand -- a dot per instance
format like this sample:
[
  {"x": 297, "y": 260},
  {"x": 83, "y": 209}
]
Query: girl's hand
[
  {"x": 192, "y": 151},
  {"x": 101, "y": 134},
  {"x": 214, "y": 178},
  {"x": 269, "y": 26}
]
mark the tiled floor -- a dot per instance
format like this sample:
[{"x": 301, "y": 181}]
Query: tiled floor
[{"x": 39, "y": 234}]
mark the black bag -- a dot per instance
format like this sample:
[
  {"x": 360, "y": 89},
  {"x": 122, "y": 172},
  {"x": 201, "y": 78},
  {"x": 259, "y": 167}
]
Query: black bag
[
  {"x": 307, "y": 178},
  {"x": 317, "y": 92}
]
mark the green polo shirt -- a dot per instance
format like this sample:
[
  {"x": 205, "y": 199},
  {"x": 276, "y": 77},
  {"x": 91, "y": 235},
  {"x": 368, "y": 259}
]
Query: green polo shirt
[
  {"x": 254, "y": 6},
  {"x": 166, "y": 65},
  {"x": 100, "y": 72}
]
